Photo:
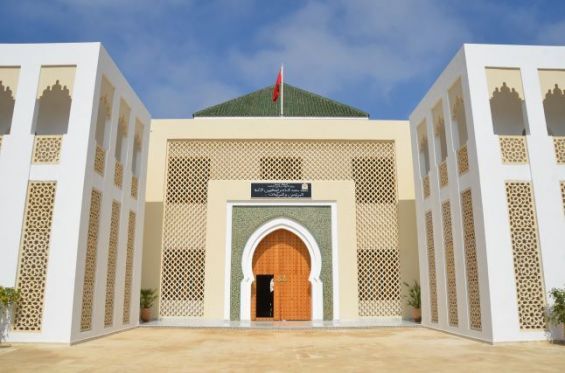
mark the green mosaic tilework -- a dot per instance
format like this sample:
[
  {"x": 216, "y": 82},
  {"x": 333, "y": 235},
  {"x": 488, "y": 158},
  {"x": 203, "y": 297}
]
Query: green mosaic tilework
[{"x": 246, "y": 220}]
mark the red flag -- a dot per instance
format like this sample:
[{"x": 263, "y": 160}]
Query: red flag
[{"x": 276, "y": 90}]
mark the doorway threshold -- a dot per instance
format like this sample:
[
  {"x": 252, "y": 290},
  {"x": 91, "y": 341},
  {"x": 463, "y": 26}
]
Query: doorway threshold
[{"x": 280, "y": 325}]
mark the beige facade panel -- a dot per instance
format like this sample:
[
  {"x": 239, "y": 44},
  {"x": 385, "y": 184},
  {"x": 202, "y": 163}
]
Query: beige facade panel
[
  {"x": 513, "y": 149},
  {"x": 111, "y": 265},
  {"x": 526, "y": 254},
  {"x": 192, "y": 164},
  {"x": 471, "y": 264},
  {"x": 450, "y": 264},
  {"x": 432, "y": 275},
  {"x": 90, "y": 261},
  {"x": 63, "y": 76},
  {"x": 34, "y": 255},
  {"x": 129, "y": 268}
]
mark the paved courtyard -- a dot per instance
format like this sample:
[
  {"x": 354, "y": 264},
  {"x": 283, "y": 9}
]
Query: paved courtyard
[{"x": 384, "y": 349}]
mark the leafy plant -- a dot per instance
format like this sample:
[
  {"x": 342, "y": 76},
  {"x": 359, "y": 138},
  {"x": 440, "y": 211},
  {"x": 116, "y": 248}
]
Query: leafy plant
[
  {"x": 147, "y": 298},
  {"x": 9, "y": 296},
  {"x": 557, "y": 311},
  {"x": 414, "y": 297}
]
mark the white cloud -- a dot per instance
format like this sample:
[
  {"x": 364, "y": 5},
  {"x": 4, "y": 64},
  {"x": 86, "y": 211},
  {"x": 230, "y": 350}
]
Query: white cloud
[{"x": 329, "y": 45}]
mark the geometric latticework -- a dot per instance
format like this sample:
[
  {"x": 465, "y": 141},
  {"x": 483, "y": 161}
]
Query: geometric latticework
[
  {"x": 513, "y": 149},
  {"x": 443, "y": 175},
  {"x": 463, "y": 160},
  {"x": 47, "y": 149},
  {"x": 525, "y": 250},
  {"x": 111, "y": 266},
  {"x": 449, "y": 264},
  {"x": 90, "y": 261},
  {"x": 99, "y": 159},
  {"x": 426, "y": 186},
  {"x": 192, "y": 163},
  {"x": 129, "y": 267},
  {"x": 431, "y": 266},
  {"x": 563, "y": 194},
  {"x": 34, "y": 254},
  {"x": 118, "y": 174},
  {"x": 471, "y": 265},
  {"x": 134, "y": 187},
  {"x": 559, "y": 146}
]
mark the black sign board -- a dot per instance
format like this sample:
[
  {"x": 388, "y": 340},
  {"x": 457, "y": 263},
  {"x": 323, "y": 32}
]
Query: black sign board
[{"x": 281, "y": 190}]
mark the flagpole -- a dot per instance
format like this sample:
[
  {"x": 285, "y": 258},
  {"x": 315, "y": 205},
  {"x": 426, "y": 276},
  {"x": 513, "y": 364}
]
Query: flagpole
[{"x": 282, "y": 90}]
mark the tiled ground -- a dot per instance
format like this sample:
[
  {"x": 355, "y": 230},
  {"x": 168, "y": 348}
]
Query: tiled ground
[{"x": 328, "y": 350}]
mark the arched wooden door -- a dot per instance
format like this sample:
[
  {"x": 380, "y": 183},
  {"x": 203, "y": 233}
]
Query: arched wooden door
[{"x": 284, "y": 256}]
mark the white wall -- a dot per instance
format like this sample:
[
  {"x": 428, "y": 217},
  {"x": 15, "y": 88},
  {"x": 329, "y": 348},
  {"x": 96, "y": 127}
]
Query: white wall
[
  {"x": 486, "y": 177},
  {"x": 75, "y": 178}
]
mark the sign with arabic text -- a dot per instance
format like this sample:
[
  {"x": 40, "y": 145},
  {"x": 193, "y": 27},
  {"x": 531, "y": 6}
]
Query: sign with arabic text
[{"x": 281, "y": 190}]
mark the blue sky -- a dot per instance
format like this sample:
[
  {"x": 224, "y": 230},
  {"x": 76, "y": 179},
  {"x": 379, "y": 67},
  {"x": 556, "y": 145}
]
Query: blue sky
[{"x": 380, "y": 56}]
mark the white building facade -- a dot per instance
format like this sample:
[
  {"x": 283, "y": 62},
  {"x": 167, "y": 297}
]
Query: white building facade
[
  {"x": 488, "y": 142},
  {"x": 73, "y": 153}
]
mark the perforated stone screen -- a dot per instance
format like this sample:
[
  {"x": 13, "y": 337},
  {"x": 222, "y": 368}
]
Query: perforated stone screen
[
  {"x": 471, "y": 264},
  {"x": 559, "y": 146},
  {"x": 525, "y": 250},
  {"x": 34, "y": 254},
  {"x": 90, "y": 261},
  {"x": 111, "y": 265},
  {"x": 47, "y": 149},
  {"x": 431, "y": 266},
  {"x": 192, "y": 163},
  {"x": 99, "y": 160},
  {"x": 463, "y": 160},
  {"x": 450, "y": 264},
  {"x": 443, "y": 174},
  {"x": 513, "y": 149},
  {"x": 129, "y": 267},
  {"x": 563, "y": 194}
]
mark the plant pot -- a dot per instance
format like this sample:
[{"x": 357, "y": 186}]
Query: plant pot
[
  {"x": 417, "y": 314},
  {"x": 145, "y": 314}
]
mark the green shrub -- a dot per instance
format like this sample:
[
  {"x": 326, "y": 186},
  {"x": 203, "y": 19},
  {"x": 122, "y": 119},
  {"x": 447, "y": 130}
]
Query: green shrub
[
  {"x": 147, "y": 298},
  {"x": 557, "y": 311},
  {"x": 414, "y": 297}
]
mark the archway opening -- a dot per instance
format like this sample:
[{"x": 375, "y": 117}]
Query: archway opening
[{"x": 281, "y": 289}]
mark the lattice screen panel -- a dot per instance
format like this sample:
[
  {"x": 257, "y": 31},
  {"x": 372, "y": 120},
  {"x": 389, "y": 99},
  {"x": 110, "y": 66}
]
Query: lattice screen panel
[
  {"x": 563, "y": 194},
  {"x": 559, "y": 146},
  {"x": 443, "y": 174},
  {"x": 134, "y": 186},
  {"x": 118, "y": 174},
  {"x": 111, "y": 266},
  {"x": 129, "y": 267},
  {"x": 34, "y": 254},
  {"x": 471, "y": 265},
  {"x": 192, "y": 163},
  {"x": 47, "y": 149},
  {"x": 525, "y": 250},
  {"x": 90, "y": 261},
  {"x": 431, "y": 266},
  {"x": 463, "y": 160},
  {"x": 449, "y": 264},
  {"x": 99, "y": 160},
  {"x": 513, "y": 149},
  {"x": 426, "y": 186}
]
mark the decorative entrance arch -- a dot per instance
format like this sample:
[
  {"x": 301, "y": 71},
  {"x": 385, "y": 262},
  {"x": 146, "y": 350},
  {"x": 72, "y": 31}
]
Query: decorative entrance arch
[{"x": 315, "y": 264}]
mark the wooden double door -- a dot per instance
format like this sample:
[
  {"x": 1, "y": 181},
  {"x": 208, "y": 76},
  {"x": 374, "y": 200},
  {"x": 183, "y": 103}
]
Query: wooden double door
[{"x": 281, "y": 290}]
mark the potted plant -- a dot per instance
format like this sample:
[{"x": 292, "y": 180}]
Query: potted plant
[
  {"x": 414, "y": 300},
  {"x": 557, "y": 310},
  {"x": 9, "y": 297},
  {"x": 146, "y": 300}
]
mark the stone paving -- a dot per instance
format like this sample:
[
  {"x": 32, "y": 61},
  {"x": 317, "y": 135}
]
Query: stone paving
[{"x": 378, "y": 349}]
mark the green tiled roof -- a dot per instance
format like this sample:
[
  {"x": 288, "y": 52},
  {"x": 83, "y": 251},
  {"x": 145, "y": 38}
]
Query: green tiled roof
[{"x": 297, "y": 103}]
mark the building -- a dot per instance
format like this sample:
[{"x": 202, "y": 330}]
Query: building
[
  {"x": 240, "y": 214},
  {"x": 488, "y": 141},
  {"x": 73, "y": 152},
  {"x": 207, "y": 236}
]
